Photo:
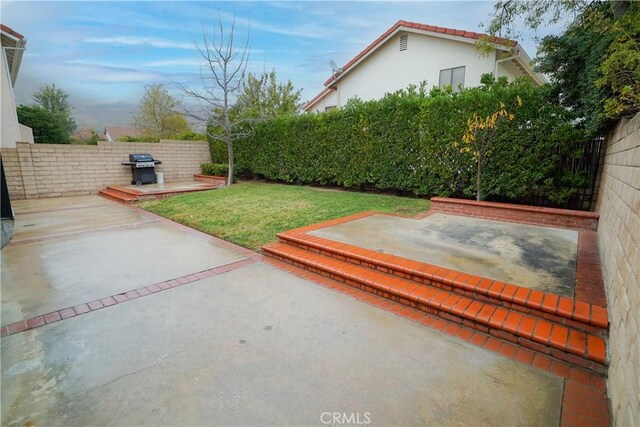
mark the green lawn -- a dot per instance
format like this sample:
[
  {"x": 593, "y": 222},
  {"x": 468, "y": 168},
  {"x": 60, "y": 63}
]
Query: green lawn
[{"x": 250, "y": 214}]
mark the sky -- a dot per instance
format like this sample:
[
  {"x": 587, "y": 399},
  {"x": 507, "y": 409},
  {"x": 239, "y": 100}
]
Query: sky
[{"x": 104, "y": 53}]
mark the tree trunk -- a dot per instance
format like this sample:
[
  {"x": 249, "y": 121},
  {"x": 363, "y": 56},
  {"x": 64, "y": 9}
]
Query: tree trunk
[
  {"x": 231, "y": 161},
  {"x": 478, "y": 178}
]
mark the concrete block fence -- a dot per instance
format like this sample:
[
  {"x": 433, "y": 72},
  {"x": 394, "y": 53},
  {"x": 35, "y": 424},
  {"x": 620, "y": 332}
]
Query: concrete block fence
[
  {"x": 52, "y": 170},
  {"x": 619, "y": 241}
]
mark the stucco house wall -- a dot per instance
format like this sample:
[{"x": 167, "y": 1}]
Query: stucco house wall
[
  {"x": 387, "y": 68},
  {"x": 10, "y": 130},
  {"x": 330, "y": 100}
]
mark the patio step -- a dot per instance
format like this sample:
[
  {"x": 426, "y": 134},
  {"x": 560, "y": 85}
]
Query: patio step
[
  {"x": 558, "y": 309},
  {"x": 118, "y": 195},
  {"x": 211, "y": 179},
  {"x": 563, "y": 342},
  {"x": 128, "y": 195}
]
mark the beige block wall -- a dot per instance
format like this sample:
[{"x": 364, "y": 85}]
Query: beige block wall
[
  {"x": 11, "y": 164},
  {"x": 52, "y": 170},
  {"x": 619, "y": 242}
]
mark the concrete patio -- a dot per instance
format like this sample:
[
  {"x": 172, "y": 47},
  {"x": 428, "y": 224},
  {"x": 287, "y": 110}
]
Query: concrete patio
[
  {"x": 527, "y": 255},
  {"x": 114, "y": 316}
]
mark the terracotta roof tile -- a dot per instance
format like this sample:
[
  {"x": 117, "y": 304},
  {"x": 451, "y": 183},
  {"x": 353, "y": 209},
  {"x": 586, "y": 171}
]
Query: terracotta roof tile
[{"x": 11, "y": 31}]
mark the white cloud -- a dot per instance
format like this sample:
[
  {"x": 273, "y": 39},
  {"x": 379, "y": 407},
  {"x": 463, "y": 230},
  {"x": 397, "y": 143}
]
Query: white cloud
[
  {"x": 190, "y": 62},
  {"x": 309, "y": 30},
  {"x": 140, "y": 41}
]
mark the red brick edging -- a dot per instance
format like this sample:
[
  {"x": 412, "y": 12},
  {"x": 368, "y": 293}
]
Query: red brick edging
[
  {"x": 65, "y": 313},
  {"x": 220, "y": 180},
  {"x": 495, "y": 291},
  {"x": 534, "y": 215}
]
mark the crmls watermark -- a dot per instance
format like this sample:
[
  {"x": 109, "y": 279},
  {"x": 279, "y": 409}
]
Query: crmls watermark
[{"x": 345, "y": 418}]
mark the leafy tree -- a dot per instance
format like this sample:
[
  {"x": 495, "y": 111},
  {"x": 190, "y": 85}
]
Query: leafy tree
[
  {"x": 222, "y": 77},
  {"x": 480, "y": 136},
  {"x": 48, "y": 127},
  {"x": 56, "y": 100},
  {"x": 573, "y": 60},
  {"x": 503, "y": 20},
  {"x": 594, "y": 64},
  {"x": 621, "y": 68},
  {"x": 157, "y": 117},
  {"x": 263, "y": 97}
]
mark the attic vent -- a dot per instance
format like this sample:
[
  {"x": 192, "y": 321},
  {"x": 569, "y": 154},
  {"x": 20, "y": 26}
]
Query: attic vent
[{"x": 403, "y": 42}]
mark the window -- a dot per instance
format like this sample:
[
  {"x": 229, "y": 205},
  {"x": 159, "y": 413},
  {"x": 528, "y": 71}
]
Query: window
[
  {"x": 329, "y": 108},
  {"x": 403, "y": 42},
  {"x": 453, "y": 77}
]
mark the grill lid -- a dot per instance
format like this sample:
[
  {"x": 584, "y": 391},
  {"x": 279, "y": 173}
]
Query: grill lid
[{"x": 140, "y": 158}]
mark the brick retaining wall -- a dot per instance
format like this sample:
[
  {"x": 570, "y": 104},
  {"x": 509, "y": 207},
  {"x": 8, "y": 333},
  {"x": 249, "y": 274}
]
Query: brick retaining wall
[
  {"x": 51, "y": 170},
  {"x": 517, "y": 213},
  {"x": 619, "y": 242}
]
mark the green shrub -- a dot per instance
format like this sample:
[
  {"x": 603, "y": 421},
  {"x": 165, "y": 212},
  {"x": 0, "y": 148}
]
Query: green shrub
[
  {"x": 191, "y": 136},
  {"x": 128, "y": 138},
  {"x": 47, "y": 127},
  {"x": 407, "y": 142},
  {"x": 217, "y": 169},
  {"x": 218, "y": 150}
]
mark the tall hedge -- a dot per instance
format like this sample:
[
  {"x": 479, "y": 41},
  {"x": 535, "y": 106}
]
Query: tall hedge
[{"x": 405, "y": 142}]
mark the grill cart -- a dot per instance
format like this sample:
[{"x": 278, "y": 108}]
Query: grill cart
[{"x": 143, "y": 168}]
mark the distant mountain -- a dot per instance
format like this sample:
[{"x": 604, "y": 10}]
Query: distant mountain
[{"x": 97, "y": 116}]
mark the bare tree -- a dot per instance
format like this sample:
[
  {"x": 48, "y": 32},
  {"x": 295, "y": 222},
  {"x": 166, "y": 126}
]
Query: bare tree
[{"x": 222, "y": 76}]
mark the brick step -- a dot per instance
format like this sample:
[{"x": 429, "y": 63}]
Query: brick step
[
  {"x": 129, "y": 195},
  {"x": 541, "y": 335},
  {"x": 117, "y": 195},
  {"x": 576, "y": 314},
  {"x": 123, "y": 190},
  {"x": 212, "y": 179}
]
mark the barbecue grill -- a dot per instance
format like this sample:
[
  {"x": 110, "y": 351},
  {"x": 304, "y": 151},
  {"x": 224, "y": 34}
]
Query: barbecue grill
[{"x": 143, "y": 168}]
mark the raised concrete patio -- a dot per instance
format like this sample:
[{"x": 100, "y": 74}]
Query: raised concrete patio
[
  {"x": 168, "y": 186},
  {"x": 130, "y": 193},
  {"x": 526, "y": 255}
]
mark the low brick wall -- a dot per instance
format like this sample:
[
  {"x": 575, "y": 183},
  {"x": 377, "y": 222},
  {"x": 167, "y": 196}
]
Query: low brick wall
[
  {"x": 211, "y": 179},
  {"x": 534, "y": 215},
  {"x": 51, "y": 170},
  {"x": 619, "y": 241}
]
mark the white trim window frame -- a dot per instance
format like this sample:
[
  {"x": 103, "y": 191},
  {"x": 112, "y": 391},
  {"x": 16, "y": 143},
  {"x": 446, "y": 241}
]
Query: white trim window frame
[{"x": 453, "y": 77}]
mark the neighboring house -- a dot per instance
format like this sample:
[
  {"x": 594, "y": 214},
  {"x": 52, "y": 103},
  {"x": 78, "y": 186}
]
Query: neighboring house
[
  {"x": 118, "y": 133},
  {"x": 82, "y": 134},
  {"x": 410, "y": 53},
  {"x": 13, "y": 46}
]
